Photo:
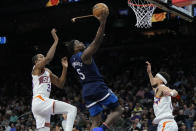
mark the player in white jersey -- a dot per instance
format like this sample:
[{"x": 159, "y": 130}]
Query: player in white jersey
[
  {"x": 162, "y": 101},
  {"x": 42, "y": 106}
]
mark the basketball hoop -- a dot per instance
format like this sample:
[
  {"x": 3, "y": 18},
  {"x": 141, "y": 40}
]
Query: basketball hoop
[{"x": 143, "y": 12}]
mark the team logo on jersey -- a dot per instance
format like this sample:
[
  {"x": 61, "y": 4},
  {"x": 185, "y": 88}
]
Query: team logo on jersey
[
  {"x": 44, "y": 79},
  {"x": 156, "y": 100},
  {"x": 74, "y": 64}
]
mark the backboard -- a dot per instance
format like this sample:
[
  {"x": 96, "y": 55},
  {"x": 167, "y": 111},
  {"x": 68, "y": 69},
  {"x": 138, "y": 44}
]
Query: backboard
[{"x": 184, "y": 12}]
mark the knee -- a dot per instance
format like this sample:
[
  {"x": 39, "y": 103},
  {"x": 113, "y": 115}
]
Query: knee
[
  {"x": 74, "y": 110},
  {"x": 120, "y": 109}
]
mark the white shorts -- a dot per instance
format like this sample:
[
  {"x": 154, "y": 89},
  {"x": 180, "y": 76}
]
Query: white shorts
[
  {"x": 167, "y": 125},
  {"x": 42, "y": 108}
]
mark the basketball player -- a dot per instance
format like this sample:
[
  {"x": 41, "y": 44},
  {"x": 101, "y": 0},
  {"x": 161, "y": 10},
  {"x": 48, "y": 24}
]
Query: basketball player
[
  {"x": 94, "y": 91},
  {"x": 162, "y": 101},
  {"x": 42, "y": 106}
]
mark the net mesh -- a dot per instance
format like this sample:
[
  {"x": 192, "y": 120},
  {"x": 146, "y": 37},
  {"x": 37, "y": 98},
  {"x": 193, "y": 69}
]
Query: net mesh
[{"x": 143, "y": 11}]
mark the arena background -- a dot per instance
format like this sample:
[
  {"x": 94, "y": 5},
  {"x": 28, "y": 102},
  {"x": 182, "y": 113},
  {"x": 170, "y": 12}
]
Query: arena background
[{"x": 169, "y": 45}]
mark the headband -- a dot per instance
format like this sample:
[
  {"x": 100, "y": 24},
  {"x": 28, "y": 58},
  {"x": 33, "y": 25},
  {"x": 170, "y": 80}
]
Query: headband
[{"x": 162, "y": 78}]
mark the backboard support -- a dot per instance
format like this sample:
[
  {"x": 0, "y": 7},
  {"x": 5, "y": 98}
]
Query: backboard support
[{"x": 185, "y": 13}]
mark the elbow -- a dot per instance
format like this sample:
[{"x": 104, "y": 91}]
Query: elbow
[
  {"x": 61, "y": 86},
  {"x": 47, "y": 59}
]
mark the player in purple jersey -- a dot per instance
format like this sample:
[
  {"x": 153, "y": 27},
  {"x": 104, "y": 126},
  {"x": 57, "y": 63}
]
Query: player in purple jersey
[{"x": 94, "y": 91}]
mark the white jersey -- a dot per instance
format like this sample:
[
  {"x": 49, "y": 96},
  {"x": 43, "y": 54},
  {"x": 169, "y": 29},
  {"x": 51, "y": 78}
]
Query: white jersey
[
  {"x": 41, "y": 84},
  {"x": 163, "y": 108}
]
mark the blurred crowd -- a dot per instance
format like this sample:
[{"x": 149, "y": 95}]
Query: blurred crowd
[{"x": 128, "y": 79}]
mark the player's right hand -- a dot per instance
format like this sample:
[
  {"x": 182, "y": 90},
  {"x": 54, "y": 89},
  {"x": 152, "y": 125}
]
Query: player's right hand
[
  {"x": 54, "y": 35},
  {"x": 148, "y": 66},
  {"x": 103, "y": 16},
  {"x": 64, "y": 62}
]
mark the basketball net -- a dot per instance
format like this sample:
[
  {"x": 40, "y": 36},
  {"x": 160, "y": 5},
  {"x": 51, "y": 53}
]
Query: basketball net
[{"x": 143, "y": 11}]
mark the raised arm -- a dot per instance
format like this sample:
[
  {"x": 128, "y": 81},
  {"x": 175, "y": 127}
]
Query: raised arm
[
  {"x": 51, "y": 51},
  {"x": 152, "y": 82},
  {"x": 92, "y": 48},
  {"x": 59, "y": 82}
]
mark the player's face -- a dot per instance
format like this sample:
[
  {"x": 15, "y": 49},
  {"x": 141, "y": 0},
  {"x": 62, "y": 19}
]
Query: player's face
[
  {"x": 40, "y": 57},
  {"x": 79, "y": 45},
  {"x": 158, "y": 80}
]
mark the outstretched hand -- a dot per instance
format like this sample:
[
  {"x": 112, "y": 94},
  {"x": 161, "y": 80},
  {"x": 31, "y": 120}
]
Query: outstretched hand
[
  {"x": 54, "y": 35},
  {"x": 102, "y": 18},
  {"x": 64, "y": 62},
  {"x": 148, "y": 66}
]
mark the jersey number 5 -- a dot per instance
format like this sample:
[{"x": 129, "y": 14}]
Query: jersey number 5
[{"x": 82, "y": 76}]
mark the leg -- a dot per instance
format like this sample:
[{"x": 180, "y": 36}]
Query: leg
[
  {"x": 62, "y": 107},
  {"x": 168, "y": 125},
  {"x": 114, "y": 116},
  {"x": 44, "y": 129},
  {"x": 96, "y": 121},
  {"x": 171, "y": 126},
  {"x": 95, "y": 113},
  {"x": 116, "y": 110},
  {"x": 64, "y": 121},
  {"x": 42, "y": 112}
]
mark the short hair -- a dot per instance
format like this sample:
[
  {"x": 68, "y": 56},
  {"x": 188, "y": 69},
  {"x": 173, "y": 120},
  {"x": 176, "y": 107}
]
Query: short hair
[
  {"x": 34, "y": 59},
  {"x": 166, "y": 76},
  {"x": 70, "y": 47}
]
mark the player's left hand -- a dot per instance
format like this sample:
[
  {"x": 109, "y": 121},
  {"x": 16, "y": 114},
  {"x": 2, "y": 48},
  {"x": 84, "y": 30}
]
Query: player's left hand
[
  {"x": 64, "y": 62},
  {"x": 148, "y": 66},
  {"x": 54, "y": 35}
]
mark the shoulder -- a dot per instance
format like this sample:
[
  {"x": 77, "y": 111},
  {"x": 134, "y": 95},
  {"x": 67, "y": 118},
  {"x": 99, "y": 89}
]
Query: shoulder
[
  {"x": 76, "y": 56},
  {"x": 35, "y": 71},
  {"x": 48, "y": 70},
  {"x": 163, "y": 88}
]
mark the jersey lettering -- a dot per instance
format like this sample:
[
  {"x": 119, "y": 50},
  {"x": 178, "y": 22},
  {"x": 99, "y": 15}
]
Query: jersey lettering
[
  {"x": 49, "y": 88},
  {"x": 44, "y": 79},
  {"x": 82, "y": 76}
]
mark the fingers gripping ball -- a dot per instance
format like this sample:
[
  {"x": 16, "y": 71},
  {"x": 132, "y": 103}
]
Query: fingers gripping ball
[{"x": 99, "y": 9}]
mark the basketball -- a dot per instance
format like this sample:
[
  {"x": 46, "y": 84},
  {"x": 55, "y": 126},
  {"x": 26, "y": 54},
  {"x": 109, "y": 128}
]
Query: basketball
[{"x": 99, "y": 9}]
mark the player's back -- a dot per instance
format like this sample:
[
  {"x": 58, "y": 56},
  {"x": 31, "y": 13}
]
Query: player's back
[
  {"x": 163, "y": 108},
  {"x": 41, "y": 84}
]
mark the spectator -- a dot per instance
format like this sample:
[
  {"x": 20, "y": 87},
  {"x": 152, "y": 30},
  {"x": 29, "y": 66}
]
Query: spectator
[
  {"x": 180, "y": 117},
  {"x": 13, "y": 128},
  {"x": 183, "y": 127},
  {"x": 137, "y": 108},
  {"x": 194, "y": 126},
  {"x": 7, "y": 127},
  {"x": 13, "y": 117}
]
